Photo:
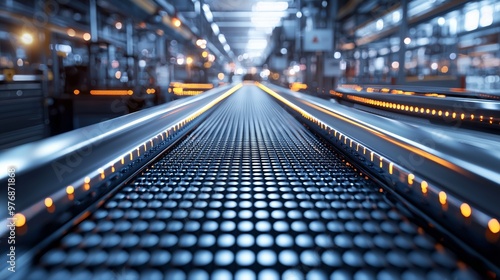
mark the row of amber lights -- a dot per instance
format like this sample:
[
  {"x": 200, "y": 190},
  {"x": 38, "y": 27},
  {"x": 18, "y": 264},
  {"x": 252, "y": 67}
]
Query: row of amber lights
[
  {"x": 182, "y": 92},
  {"x": 100, "y": 174},
  {"x": 188, "y": 89},
  {"x": 114, "y": 92},
  {"x": 298, "y": 86},
  {"x": 414, "y": 109},
  {"x": 388, "y": 90},
  {"x": 397, "y": 91},
  {"x": 108, "y": 92},
  {"x": 191, "y": 85},
  {"x": 404, "y": 175}
]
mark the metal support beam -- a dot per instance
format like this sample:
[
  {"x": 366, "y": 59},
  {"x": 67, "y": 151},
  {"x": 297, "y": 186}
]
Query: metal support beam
[
  {"x": 331, "y": 83},
  {"x": 130, "y": 37},
  {"x": 44, "y": 38},
  {"x": 93, "y": 65},
  {"x": 161, "y": 49},
  {"x": 110, "y": 80},
  {"x": 309, "y": 72},
  {"x": 57, "y": 86},
  {"x": 298, "y": 39}
]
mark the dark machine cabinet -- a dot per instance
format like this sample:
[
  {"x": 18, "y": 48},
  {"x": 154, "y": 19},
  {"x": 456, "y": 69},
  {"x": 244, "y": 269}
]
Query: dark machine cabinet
[{"x": 22, "y": 114}]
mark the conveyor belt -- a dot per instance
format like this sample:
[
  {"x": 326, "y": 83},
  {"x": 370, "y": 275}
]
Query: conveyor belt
[{"x": 250, "y": 194}]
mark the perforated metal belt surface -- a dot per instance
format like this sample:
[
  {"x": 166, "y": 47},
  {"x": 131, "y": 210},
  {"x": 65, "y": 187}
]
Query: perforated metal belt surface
[{"x": 250, "y": 194}]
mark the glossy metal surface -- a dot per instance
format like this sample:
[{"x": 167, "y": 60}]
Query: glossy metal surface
[
  {"x": 453, "y": 181},
  {"x": 249, "y": 194}
]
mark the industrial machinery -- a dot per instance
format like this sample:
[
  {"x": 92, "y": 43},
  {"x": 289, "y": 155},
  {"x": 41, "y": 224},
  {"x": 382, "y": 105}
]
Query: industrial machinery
[{"x": 229, "y": 183}]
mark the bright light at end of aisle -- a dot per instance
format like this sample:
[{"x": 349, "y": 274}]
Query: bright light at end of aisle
[{"x": 270, "y": 6}]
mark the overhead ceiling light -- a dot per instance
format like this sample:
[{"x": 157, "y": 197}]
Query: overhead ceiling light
[
  {"x": 227, "y": 47},
  {"x": 257, "y": 34},
  {"x": 272, "y": 14},
  {"x": 396, "y": 16},
  {"x": 268, "y": 30},
  {"x": 62, "y": 48},
  {"x": 441, "y": 21},
  {"x": 180, "y": 60},
  {"x": 215, "y": 28},
  {"x": 260, "y": 22},
  {"x": 222, "y": 38},
  {"x": 253, "y": 54},
  {"x": 270, "y": 6},
  {"x": 208, "y": 13},
  {"x": 256, "y": 44},
  {"x": 260, "y": 18}
]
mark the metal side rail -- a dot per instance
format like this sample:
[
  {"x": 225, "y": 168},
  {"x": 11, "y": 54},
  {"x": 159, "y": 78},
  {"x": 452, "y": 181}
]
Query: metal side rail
[
  {"x": 50, "y": 182},
  {"x": 425, "y": 91},
  {"x": 443, "y": 107},
  {"x": 248, "y": 194},
  {"x": 453, "y": 182}
]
